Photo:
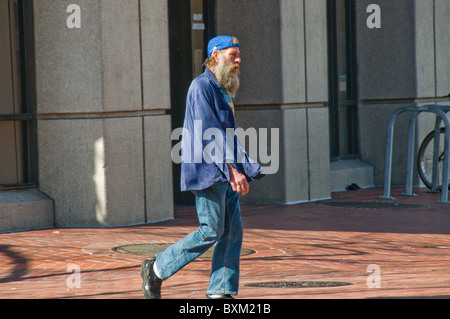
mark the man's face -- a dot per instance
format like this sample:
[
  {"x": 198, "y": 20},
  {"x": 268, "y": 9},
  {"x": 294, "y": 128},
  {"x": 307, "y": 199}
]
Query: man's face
[
  {"x": 233, "y": 56},
  {"x": 227, "y": 69}
]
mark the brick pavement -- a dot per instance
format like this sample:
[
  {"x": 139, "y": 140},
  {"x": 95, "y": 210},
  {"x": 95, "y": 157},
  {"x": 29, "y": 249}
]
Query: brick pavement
[{"x": 305, "y": 242}]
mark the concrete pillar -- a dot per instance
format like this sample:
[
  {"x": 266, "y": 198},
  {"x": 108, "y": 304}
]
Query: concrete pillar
[
  {"x": 285, "y": 87},
  {"x": 102, "y": 95}
]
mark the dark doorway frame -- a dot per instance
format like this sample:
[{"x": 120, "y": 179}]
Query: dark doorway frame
[
  {"x": 344, "y": 139},
  {"x": 181, "y": 71},
  {"x": 24, "y": 115}
]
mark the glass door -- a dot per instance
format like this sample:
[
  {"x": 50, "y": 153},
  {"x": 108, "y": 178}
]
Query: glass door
[
  {"x": 342, "y": 79},
  {"x": 16, "y": 120}
]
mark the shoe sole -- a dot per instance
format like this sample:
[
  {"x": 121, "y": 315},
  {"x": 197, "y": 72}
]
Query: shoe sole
[{"x": 219, "y": 298}]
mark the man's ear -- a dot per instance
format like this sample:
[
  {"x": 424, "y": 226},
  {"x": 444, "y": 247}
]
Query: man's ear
[{"x": 215, "y": 55}]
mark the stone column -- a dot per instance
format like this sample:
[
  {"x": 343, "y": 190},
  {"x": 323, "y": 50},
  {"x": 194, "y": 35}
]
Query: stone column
[
  {"x": 102, "y": 98},
  {"x": 284, "y": 87}
]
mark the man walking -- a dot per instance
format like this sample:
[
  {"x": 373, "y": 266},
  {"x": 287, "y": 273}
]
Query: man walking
[{"x": 222, "y": 172}]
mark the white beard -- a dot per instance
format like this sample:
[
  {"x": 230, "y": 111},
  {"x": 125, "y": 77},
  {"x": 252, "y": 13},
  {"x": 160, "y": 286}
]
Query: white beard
[{"x": 227, "y": 76}]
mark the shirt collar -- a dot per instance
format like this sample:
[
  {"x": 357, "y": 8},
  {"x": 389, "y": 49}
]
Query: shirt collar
[{"x": 211, "y": 76}]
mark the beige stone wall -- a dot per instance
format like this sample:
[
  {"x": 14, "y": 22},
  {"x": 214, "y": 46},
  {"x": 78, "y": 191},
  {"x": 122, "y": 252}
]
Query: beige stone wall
[
  {"x": 284, "y": 87},
  {"x": 102, "y": 94}
]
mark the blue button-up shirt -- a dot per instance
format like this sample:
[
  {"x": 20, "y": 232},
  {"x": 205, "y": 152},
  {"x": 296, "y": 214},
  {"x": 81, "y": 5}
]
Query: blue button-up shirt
[{"x": 208, "y": 141}]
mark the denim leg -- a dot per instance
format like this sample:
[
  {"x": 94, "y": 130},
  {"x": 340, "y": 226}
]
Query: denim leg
[
  {"x": 210, "y": 204},
  {"x": 225, "y": 264}
]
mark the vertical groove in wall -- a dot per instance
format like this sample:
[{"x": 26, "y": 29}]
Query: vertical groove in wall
[
  {"x": 305, "y": 51},
  {"x": 435, "y": 50},
  {"x": 308, "y": 153},
  {"x": 141, "y": 54},
  {"x": 142, "y": 108}
]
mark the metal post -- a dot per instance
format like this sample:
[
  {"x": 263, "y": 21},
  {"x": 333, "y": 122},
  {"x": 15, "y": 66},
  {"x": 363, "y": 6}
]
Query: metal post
[
  {"x": 441, "y": 111},
  {"x": 444, "y": 190},
  {"x": 437, "y": 138},
  {"x": 410, "y": 157},
  {"x": 389, "y": 147}
]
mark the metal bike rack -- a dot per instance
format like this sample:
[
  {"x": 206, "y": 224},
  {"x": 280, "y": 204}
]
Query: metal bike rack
[
  {"x": 440, "y": 111},
  {"x": 437, "y": 136}
]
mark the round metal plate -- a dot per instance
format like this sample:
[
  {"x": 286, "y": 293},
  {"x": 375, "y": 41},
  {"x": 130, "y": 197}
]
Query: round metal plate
[
  {"x": 152, "y": 249},
  {"x": 299, "y": 284},
  {"x": 372, "y": 205}
]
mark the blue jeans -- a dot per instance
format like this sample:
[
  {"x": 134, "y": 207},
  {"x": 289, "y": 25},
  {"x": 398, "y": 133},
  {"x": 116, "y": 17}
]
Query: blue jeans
[{"x": 219, "y": 215}]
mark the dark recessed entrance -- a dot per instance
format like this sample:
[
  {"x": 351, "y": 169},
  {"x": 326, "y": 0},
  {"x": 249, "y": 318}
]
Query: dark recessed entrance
[{"x": 191, "y": 25}]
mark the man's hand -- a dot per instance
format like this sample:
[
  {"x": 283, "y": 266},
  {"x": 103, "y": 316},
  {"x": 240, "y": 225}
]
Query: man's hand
[{"x": 238, "y": 181}]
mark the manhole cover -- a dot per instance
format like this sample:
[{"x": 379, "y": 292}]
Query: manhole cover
[
  {"x": 376, "y": 205},
  {"x": 152, "y": 249},
  {"x": 299, "y": 284}
]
